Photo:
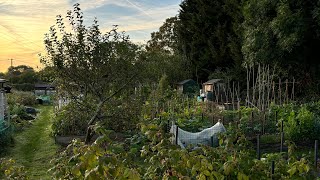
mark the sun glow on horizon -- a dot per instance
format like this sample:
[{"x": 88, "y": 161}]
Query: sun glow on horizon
[{"x": 23, "y": 24}]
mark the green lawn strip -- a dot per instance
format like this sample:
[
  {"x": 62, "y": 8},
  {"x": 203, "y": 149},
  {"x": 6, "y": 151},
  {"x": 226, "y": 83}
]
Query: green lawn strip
[{"x": 34, "y": 147}]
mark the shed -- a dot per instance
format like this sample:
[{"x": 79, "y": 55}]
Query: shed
[
  {"x": 2, "y": 81},
  {"x": 187, "y": 86},
  {"x": 213, "y": 85},
  {"x": 44, "y": 89}
]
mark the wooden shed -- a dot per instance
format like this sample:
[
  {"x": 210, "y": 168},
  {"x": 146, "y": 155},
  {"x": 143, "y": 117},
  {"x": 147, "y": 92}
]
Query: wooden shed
[
  {"x": 44, "y": 89},
  {"x": 213, "y": 88},
  {"x": 187, "y": 86},
  {"x": 213, "y": 85}
]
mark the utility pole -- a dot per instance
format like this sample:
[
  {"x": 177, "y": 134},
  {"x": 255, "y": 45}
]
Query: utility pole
[
  {"x": 11, "y": 62},
  {"x": 11, "y": 68}
]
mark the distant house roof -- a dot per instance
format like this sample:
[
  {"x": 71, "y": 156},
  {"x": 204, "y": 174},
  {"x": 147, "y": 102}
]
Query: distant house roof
[
  {"x": 184, "y": 81},
  {"x": 212, "y": 81},
  {"x": 44, "y": 86}
]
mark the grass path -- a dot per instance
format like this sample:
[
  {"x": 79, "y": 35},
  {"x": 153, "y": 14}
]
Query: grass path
[{"x": 34, "y": 147}]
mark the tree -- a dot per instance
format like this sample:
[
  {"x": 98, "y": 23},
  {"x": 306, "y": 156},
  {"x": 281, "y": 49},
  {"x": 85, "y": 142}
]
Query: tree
[
  {"x": 166, "y": 39},
  {"x": 284, "y": 33},
  {"x": 22, "y": 77},
  {"x": 210, "y": 35},
  {"x": 91, "y": 68},
  {"x": 46, "y": 74},
  {"x": 162, "y": 56},
  {"x": 158, "y": 63}
]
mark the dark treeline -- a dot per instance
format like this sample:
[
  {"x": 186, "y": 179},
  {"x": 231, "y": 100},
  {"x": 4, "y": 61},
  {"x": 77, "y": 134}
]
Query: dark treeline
[
  {"x": 222, "y": 37},
  {"x": 219, "y": 39},
  {"x": 24, "y": 77}
]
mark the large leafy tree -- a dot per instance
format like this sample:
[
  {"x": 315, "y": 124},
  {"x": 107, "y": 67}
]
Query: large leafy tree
[
  {"x": 97, "y": 71},
  {"x": 21, "y": 74},
  {"x": 166, "y": 38},
  {"x": 285, "y": 33},
  {"x": 210, "y": 34},
  {"x": 22, "y": 77},
  {"x": 162, "y": 56}
]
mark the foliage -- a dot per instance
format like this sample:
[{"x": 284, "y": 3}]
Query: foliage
[
  {"x": 248, "y": 122},
  {"x": 22, "y": 77},
  {"x": 101, "y": 160},
  {"x": 166, "y": 38},
  {"x": 123, "y": 114},
  {"x": 163, "y": 84},
  {"x": 33, "y": 148},
  {"x": 91, "y": 65},
  {"x": 19, "y": 110},
  {"x": 21, "y": 98},
  {"x": 70, "y": 120},
  {"x": 46, "y": 74},
  {"x": 156, "y": 63},
  {"x": 233, "y": 159},
  {"x": 6, "y": 139},
  {"x": 285, "y": 33},
  {"x": 210, "y": 35},
  {"x": 10, "y": 170},
  {"x": 162, "y": 55},
  {"x": 300, "y": 124}
]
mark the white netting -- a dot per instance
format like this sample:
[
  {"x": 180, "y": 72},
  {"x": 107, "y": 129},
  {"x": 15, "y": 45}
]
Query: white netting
[{"x": 205, "y": 137}]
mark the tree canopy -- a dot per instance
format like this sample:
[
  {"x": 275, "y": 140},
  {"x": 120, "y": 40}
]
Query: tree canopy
[
  {"x": 90, "y": 67},
  {"x": 209, "y": 34}
]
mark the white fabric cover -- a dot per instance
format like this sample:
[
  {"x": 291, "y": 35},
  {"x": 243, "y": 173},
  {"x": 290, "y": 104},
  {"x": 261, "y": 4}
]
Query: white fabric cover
[{"x": 186, "y": 138}]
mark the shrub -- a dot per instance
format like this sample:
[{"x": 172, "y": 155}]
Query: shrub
[
  {"x": 301, "y": 122},
  {"x": 22, "y": 98},
  {"x": 301, "y": 125},
  {"x": 101, "y": 160},
  {"x": 70, "y": 120},
  {"x": 5, "y": 139},
  {"x": 9, "y": 170}
]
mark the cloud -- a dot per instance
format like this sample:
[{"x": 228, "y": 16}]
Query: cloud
[
  {"x": 139, "y": 8},
  {"x": 139, "y": 26}
]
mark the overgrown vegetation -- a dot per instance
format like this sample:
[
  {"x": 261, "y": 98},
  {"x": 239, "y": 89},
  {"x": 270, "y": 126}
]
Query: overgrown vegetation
[
  {"x": 33, "y": 150},
  {"x": 111, "y": 85},
  {"x": 21, "y": 98}
]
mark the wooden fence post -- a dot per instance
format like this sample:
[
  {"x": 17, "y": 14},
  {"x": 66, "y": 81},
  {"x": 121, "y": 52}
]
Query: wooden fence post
[
  {"x": 281, "y": 143},
  {"x": 251, "y": 120},
  {"x": 211, "y": 141},
  {"x": 316, "y": 154},
  {"x": 258, "y": 146},
  {"x": 272, "y": 169},
  {"x": 177, "y": 130}
]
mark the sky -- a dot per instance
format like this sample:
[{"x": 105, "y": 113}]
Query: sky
[{"x": 23, "y": 23}]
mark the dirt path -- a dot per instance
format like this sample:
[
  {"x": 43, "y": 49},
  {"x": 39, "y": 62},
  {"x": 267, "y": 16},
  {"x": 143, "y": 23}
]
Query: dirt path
[{"x": 34, "y": 147}]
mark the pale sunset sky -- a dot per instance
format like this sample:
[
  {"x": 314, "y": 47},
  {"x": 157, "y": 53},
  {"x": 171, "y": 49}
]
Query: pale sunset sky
[{"x": 23, "y": 23}]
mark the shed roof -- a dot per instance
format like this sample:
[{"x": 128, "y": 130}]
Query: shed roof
[
  {"x": 212, "y": 81},
  {"x": 184, "y": 81},
  {"x": 3, "y": 80},
  {"x": 44, "y": 86}
]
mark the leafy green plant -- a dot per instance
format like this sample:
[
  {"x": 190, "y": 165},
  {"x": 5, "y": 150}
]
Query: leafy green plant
[
  {"x": 233, "y": 159},
  {"x": 101, "y": 160},
  {"x": 10, "y": 170},
  {"x": 22, "y": 98},
  {"x": 300, "y": 125},
  {"x": 70, "y": 120}
]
